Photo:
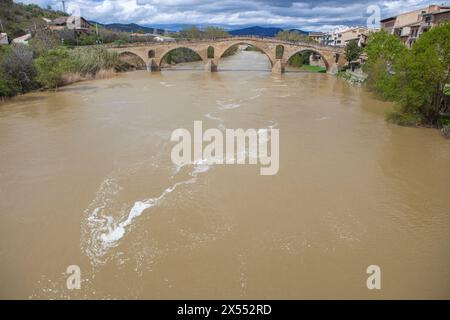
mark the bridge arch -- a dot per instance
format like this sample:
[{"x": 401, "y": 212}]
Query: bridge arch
[
  {"x": 210, "y": 52},
  {"x": 165, "y": 53},
  {"x": 249, "y": 43},
  {"x": 279, "y": 51},
  {"x": 133, "y": 59},
  {"x": 301, "y": 50}
]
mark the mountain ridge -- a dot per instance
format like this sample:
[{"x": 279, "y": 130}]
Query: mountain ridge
[{"x": 248, "y": 31}]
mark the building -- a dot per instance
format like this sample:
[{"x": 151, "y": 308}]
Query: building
[
  {"x": 316, "y": 36},
  {"x": 359, "y": 34},
  {"x": 326, "y": 38},
  {"x": 411, "y": 25},
  {"x": 4, "y": 39},
  {"x": 74, "y": 23},
  {"x": 164, "y": 39},
  {"x": 23, "y": 39},
  {"x": 341, "y": 37},
  {"x": 141, "y": 37}
]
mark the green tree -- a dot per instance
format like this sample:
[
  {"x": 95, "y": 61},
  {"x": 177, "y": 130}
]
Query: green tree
[
  {"x": 190, "y": 33},
  {"x": 51, "y": 66},
  {"x": 299, "y": 59},
  {"x": 352, "y": 51},
  {"x": 295, "y": 36},
  {"x": 383, "y": 51},
  {"x": 422, "y": 75},
  {"x": 7, "y": 86},
  {"x": 215, "y": 33}
]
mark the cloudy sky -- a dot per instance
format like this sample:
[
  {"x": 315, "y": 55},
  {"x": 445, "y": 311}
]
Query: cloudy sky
[{"x": 317, "y": 15}]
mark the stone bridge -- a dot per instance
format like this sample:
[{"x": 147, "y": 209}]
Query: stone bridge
[{"x": 278, "y": 52}]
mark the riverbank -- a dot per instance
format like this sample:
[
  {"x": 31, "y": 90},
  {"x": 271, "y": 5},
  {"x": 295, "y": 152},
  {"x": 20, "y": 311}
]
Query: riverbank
[
  {"x": 357, "y": 78},
  {"x": 68, "y": 79},
  {"x": 23, "y": 70},
  {"x": 414, "y": 79},
  {"x": 310, "y": 68}
]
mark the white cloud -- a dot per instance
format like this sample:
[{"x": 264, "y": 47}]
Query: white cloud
[{"x": 307, "y": 15}]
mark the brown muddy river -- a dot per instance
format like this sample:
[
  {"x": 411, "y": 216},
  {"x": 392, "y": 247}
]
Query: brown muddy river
[{"x": 87, "y": 180}]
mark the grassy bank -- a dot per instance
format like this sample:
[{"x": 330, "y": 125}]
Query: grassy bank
[
  {"x": 310, "y": 68},
  {"x": 23, "y": 70}
]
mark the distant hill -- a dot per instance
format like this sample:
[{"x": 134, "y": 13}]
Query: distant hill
[
  {"x": 261, "y": 31},
  {"x": 128, "y": 27},
  {"x": 256, "y": 31},
  {"x": 19, "y": 19},
  {"x": 299, "y": 31}
]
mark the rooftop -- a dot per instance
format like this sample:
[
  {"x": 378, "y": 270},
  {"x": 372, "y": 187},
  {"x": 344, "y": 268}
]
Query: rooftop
[
  {"x": 441, "y": 9},
  {"x": 60, "y": 20},
  {"x": 23, "y": 38},
  {"x": 388, "y": 19}
]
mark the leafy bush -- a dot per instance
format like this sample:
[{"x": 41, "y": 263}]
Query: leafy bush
[
  {"x": 51, "y": 67},
  {"x": 414, "y": 78},
  {"x": 299, "y": 59},
  {"x": 7, "y": 87},
  {"x": 215, "y": 33},
  {"x": 17, "y": 71},
  {"x": 43, "y": 41},
  {"x": 382, "y": 82},
  {"x": 399, "y": 117},
  {"x": 181, "y": 55},
  {"x": 89, "y": 61},
  {"x": 383, "y": 51},
  {"x": 294, "y": 36},
  {"x": 119, "y": 42},
  {"x": 87, "y": 39}
]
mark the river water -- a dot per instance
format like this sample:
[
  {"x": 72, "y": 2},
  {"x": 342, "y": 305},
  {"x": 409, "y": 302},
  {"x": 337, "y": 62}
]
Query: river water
[{"x": 87, "y": 180}]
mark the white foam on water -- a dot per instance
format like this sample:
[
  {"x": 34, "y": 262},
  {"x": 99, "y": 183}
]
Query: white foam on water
[
  {"x": 115, "y": 233},
  {"x": 210, "y": 116},
  {"x": 167, "y": 85},
  {"x": 259, "y": 92},
  {"x": 104, "y": 230},
  {"x": 228, "y": 106}
]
